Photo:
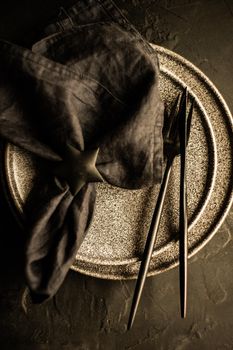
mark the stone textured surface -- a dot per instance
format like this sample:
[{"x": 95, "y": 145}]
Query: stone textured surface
[{"x": 91, "y": 314}]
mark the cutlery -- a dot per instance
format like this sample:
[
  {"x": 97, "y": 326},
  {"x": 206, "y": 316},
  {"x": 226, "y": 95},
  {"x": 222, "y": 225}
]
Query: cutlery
[
  {"x": 185, "y": 124},
  {"x": 171, "y": 150}
]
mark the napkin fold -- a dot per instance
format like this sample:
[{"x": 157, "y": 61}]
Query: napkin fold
[{"x": 84, "y": 98}]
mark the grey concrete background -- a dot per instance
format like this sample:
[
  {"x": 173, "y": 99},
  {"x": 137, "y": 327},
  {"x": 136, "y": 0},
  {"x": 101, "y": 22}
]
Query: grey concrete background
[{"x": 91, "y": 314}]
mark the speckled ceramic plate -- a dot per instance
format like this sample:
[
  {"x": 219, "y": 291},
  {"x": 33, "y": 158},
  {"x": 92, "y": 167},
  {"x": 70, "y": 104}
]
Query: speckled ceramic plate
[{"x": 114, "y": 244}]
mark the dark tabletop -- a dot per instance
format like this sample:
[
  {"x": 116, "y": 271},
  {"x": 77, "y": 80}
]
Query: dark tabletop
[{"x": 91, "y": 314}]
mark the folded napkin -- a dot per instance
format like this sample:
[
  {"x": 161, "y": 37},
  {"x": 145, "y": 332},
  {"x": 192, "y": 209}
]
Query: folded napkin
[{"x": 85, "y": 101}]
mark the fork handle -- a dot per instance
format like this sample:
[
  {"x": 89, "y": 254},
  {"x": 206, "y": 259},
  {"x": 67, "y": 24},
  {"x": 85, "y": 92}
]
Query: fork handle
[
  {"x": 152, "y": 234},
  {"x": 149, "y": 246}
]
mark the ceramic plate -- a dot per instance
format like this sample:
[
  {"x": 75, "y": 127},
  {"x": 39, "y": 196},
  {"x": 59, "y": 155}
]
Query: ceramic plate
[{"x": 114, "y": 244}]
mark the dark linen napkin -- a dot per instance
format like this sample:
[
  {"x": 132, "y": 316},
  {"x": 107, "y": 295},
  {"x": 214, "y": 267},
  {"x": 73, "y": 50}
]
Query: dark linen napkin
[{"x": 85, "y": 102}]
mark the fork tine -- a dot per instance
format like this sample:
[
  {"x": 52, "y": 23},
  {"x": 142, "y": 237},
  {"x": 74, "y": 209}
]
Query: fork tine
[
  {"x": 189, "y": 119},
  {"x": 167, "y": 121},
  {"x": 173, "y": 116},
  {"x": 174, "y": 106},
  {"x": 183, "y": 103},
  {"x": 181, "y": 113},
  {"x": 174, "y": 110}
]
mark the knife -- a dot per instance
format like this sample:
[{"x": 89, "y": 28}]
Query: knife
[{"x": 184, "y": 132}]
